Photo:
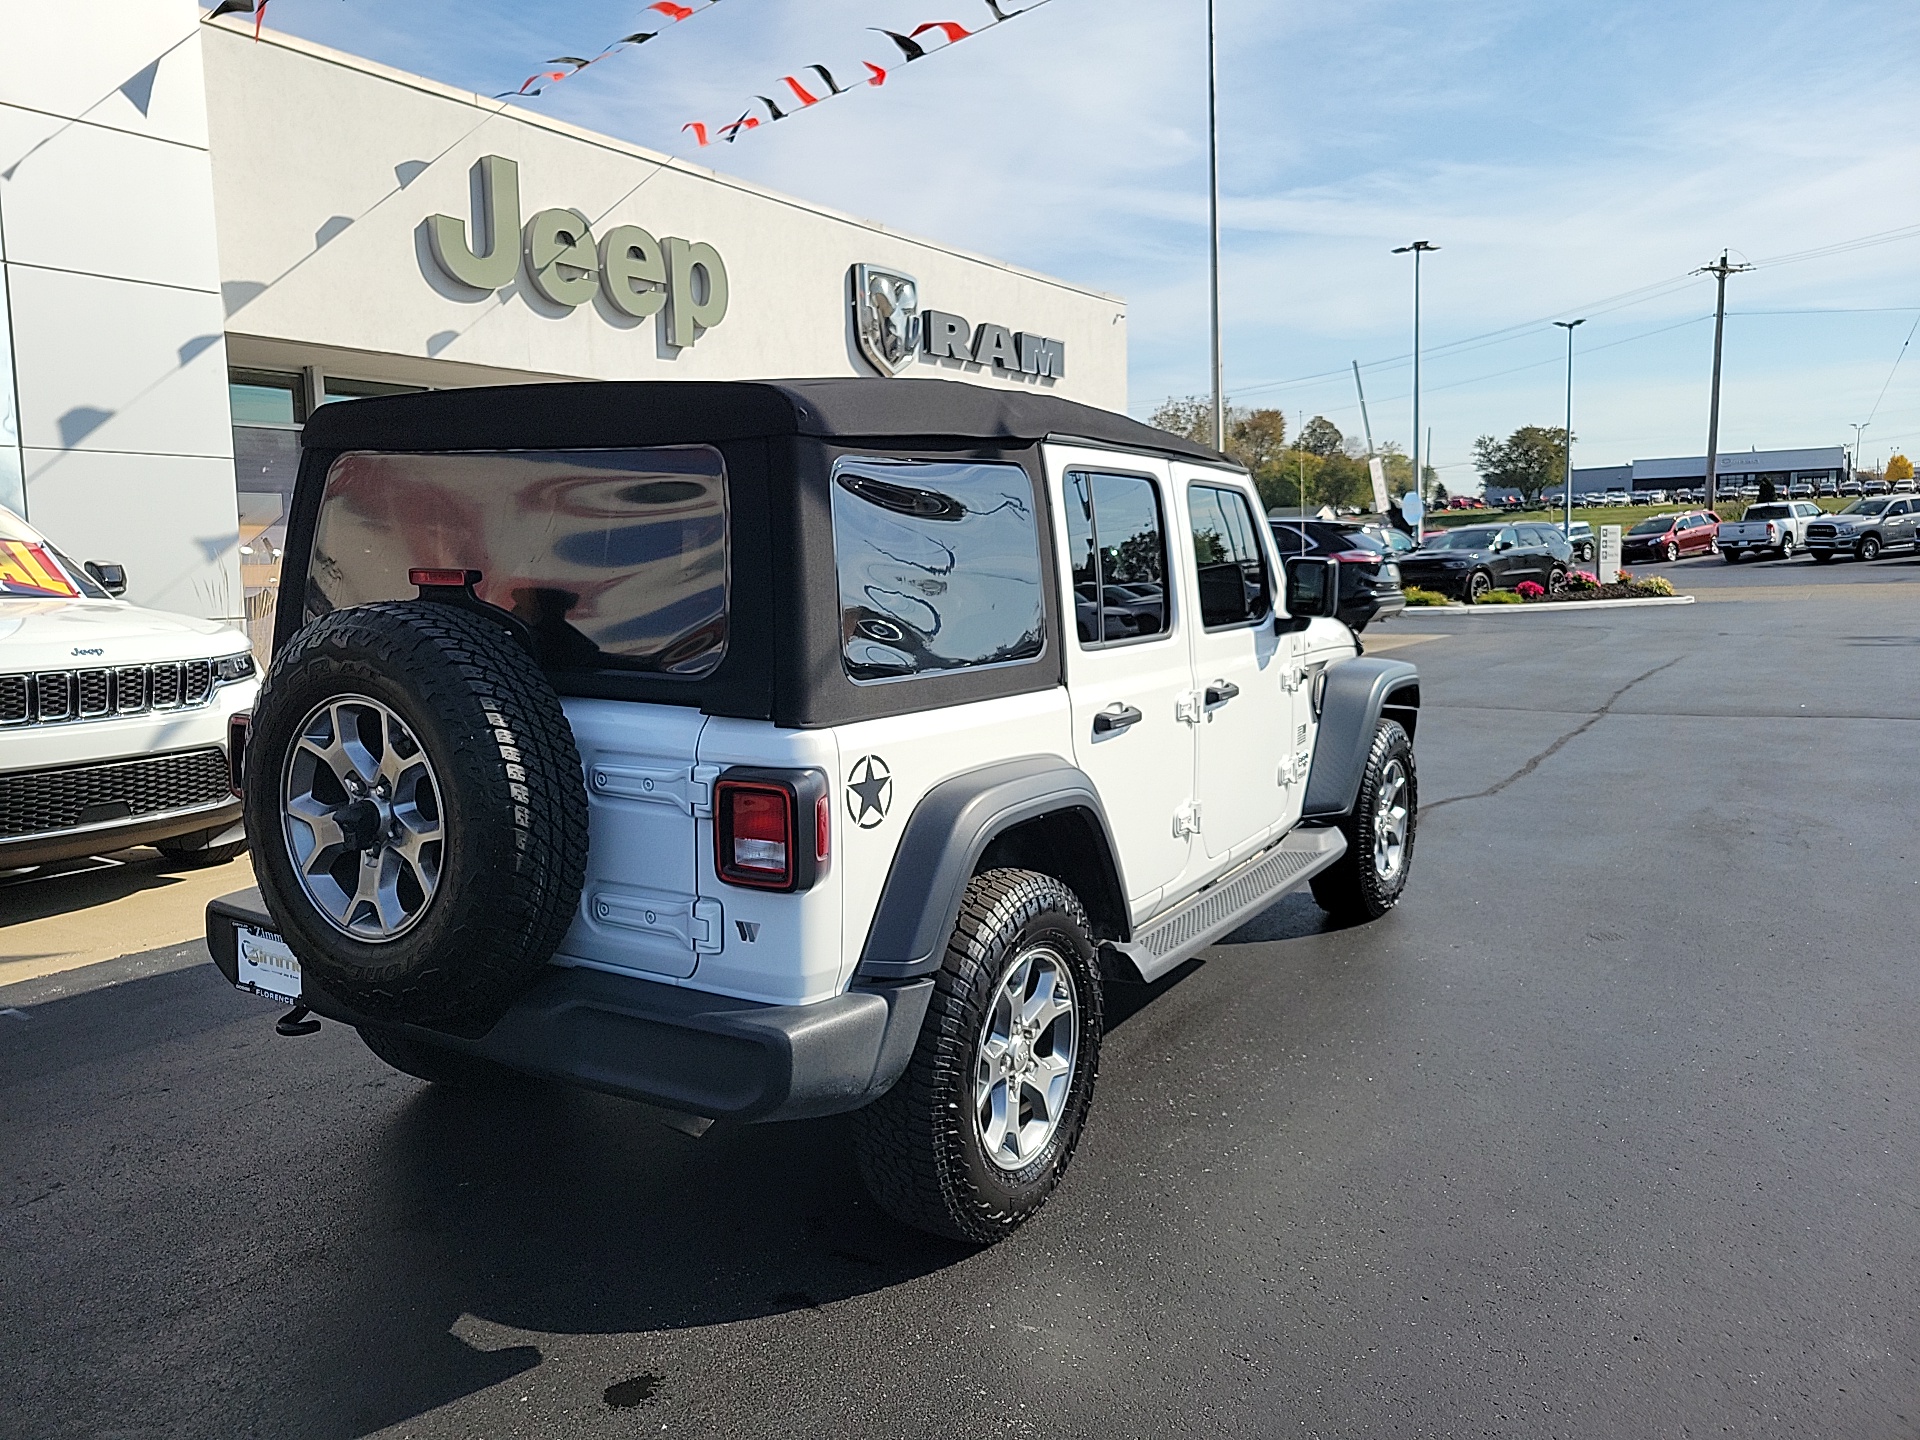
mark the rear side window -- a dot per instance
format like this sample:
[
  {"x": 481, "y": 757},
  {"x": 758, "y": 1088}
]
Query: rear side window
[
  {"x": 615, "y": 559},
  {"x": 1234, "y": 585},
  {"x": 1117, "y": 539},
  {"x": 939, "y": 566}
]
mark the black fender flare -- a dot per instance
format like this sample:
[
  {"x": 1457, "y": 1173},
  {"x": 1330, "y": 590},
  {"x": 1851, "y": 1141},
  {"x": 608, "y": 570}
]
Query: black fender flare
[
  {"x": 1358, "y": 692},
  {"x": 941, "y": 845}
]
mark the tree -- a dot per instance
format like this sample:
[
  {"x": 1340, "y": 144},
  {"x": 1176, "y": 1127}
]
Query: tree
[
  {"x": 1899, "y": 468},
  {"x": 1255, "y": 438},
  {"x": 1529, "y": 460},
  {"x": 1322, "y": 437}
]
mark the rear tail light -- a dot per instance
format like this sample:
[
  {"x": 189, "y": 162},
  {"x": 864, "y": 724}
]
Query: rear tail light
[
  {"x": 239, "y": 726},
  {"x": 442, "y": 579},
  {"x": 761, "y": 837},
  {"x": 1357, "y": 557}
]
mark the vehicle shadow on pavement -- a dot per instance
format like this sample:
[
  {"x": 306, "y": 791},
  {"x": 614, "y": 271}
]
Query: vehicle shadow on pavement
[{"x": 361, "y": 1248}]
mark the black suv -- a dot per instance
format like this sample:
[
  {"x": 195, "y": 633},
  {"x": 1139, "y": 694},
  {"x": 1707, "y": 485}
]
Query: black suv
[
  {"x": 1369, "y": 575},
  {"x": 1468, "y": 562}
]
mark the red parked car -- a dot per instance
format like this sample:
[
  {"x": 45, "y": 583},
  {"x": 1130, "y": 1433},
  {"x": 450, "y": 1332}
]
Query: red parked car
[{"x": 1668, "y": 537}]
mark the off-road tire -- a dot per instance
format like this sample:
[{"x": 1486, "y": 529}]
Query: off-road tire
[
  {"x": 919, "y": 1147},
  {"x": 436, "y": 1064},
  {"x": 190, "y": 852},
  {"x": 513, "y": 810},
  {"x": 1352, "y": 888}
]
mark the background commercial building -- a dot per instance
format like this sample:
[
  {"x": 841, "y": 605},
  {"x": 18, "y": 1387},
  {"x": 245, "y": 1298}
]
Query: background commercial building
[
  {"x": 203, "y": 238},
  {"x": 1689, "y": 472}
]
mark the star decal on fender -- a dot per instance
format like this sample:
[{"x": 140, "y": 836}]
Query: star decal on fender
[{"x": 869, "y": 791}]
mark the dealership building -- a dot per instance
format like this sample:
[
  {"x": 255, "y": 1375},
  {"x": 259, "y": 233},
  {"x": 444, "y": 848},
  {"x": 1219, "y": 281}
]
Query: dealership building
[
  {"x": 203, "y": 238},
  {"x": 1734, "y": 468}
]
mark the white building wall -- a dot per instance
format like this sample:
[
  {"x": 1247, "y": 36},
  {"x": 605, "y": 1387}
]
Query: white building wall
[
  {"x": 326, "y": 167},
  {"x": 112, "y": 282}
]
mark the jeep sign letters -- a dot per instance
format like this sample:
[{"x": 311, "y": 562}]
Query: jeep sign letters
[{"x": 637, "y": 273}]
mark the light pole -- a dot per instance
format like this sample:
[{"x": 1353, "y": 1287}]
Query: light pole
[
  {"x": 1213, "y": 229},
  {"x": 1416, "y": 249},
  {"x": 1569, "y": 326},
  {"x": 1854, "y": 469}
]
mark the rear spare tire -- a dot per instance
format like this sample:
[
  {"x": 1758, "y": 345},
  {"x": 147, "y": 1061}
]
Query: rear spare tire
[{"x": 418, "y": 819}]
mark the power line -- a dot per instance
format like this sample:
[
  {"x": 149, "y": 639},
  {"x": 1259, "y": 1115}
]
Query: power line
[{"x": 1890, "y": 374}]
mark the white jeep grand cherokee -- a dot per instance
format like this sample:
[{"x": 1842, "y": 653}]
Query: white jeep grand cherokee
[
  {"x": 771, "y": 750},
  {"x": 113, "y": 719}
]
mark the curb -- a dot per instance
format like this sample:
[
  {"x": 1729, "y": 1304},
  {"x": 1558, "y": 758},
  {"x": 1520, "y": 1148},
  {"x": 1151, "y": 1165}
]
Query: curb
[{"x": 1558, "y": 607}]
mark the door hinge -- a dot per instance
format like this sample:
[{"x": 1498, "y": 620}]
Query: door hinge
[
  {"x": 1187, "y": 707},
  {"x": 662, "y": 784},
  {"x": 1186, "y": 820}
]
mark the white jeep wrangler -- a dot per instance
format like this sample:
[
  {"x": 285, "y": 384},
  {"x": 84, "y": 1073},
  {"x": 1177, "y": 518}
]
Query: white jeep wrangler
[{"x": 771, "y": 750}]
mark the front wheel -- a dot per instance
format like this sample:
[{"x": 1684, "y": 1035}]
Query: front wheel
[
  {"x": 1821, "y": 557},
  {"x": 1479, "y": 585},
  {"x": 976, "y": 1134},
  {"x": 1870, "y": 548},
  {"x": 1671, "y": 553},
  {"x": 203, "y": 847},
  {"x": 1367, "y": 881}
]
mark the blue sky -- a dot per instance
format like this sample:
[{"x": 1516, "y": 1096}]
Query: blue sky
[{"x": 1562, "y": 155}]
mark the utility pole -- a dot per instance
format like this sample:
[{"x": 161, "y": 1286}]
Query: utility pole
[
  {"x": 1567, "y": 498},
  {"x": 1361, "y": 390},
  {"x": 1853, "y": 467},
  {"x": 1719, "y": 270},
  {"x": 1213, "y": 228},
  {"x": 1416, "y": 249}
]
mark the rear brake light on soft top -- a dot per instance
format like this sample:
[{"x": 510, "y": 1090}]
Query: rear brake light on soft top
[{"x": 772, "y": 829}]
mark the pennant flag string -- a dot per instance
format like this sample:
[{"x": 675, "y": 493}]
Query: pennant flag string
[
  {"x": 912, "y": 46},
  {"x": 670, "y": 13},
  {"x": 243, "y": 7}
]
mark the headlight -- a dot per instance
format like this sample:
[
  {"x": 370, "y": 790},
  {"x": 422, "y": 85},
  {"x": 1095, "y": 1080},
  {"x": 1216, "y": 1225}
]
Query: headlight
[{"x": 229, "y": 668}]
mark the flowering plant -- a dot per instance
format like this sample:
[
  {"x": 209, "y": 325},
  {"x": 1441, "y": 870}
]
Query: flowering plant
[
  {"x": 1530, "y": 590},
  {"x": 1583, "y": 580}
]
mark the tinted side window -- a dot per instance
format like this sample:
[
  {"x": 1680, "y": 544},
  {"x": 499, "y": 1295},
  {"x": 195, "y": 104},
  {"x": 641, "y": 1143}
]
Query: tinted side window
[
  {"x": 1118, "y": 544},
  {"x": 615, "y": 559},
  {"x": 939, "y": 566},
  {"x": 1234, "y": 585}
]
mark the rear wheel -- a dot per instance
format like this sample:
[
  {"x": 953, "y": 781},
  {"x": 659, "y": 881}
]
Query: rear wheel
[
  {"x": 1367, "y": 881},
  {"x": 1556, "y": 580},
  {"x": 1732, "y": 557},
  {"x": 976, "y": 1134},
  {"x": 1787, "y": 548}
]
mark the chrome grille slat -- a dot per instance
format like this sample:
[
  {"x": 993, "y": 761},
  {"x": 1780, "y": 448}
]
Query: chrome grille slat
[
  {"x": 50, "y": 697},
  {"x": 130, "y": 689}
]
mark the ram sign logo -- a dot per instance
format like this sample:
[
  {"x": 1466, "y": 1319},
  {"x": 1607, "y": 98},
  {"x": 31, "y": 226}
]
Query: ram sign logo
[{"x": 892, "y": 329}]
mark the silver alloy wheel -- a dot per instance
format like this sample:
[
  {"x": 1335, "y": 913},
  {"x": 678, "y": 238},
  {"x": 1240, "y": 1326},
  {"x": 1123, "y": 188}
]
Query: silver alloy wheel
[
  {"x": 1391, "y": 819},
  {"x": 361, "y": 810},
  {"x": 1023, "y": 1069}
]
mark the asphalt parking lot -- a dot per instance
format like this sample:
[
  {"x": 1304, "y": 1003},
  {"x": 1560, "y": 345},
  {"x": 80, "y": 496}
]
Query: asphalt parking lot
[{"x": 1608, "y": 1130}]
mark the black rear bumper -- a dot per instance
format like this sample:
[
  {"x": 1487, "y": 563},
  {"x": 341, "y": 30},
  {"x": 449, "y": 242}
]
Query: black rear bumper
[{"x": 686, "y": 1050}]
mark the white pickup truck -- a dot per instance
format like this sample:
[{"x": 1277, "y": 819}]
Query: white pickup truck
[{"x": 1776, "y": 528}]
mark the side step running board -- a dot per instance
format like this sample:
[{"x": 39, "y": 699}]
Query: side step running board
[{"x": 1182, "y": 932}]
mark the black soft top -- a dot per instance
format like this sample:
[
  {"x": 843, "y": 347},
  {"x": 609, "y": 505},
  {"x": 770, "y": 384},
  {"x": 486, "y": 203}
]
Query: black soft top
[{"x": 618, "y": 413}]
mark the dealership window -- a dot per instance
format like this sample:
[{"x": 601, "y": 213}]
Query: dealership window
[
  {"x": 268, "y": 409},
  {"x": 939, "y": 566}
]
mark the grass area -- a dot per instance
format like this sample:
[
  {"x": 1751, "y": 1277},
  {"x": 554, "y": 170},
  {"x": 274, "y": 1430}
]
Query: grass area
[{"x": 1624, "y": 516}]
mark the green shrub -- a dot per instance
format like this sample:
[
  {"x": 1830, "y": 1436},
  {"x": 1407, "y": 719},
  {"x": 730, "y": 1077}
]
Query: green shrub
[
  {"x": 1654, "y": 585},
  {"x": 1500, "y": 597},
  {"x": 1417, "y": 596}
]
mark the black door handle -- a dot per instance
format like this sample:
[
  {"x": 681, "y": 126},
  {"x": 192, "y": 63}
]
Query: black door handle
[
  {"x": 1221, "y": 691},
  {"x": 1108, "y": 722}
]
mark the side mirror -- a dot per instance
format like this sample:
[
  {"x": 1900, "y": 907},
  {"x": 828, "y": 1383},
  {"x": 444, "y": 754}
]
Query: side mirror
[
  {"x": 1313, "y": 588},
  {"x": 110, "y": 577}
]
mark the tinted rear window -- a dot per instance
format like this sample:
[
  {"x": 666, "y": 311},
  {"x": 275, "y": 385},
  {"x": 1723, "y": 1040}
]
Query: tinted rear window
[
  {"x": 939, "y": 566},
  {"x": 616, "y": 559}
]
